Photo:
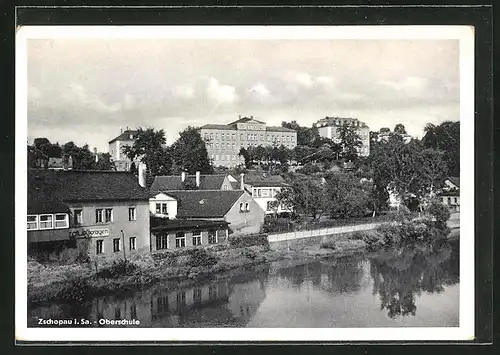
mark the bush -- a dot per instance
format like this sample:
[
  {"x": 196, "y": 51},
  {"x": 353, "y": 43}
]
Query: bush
[
  {"x": 117, "y": 269},
  {"x": 74, "y": 290},
  {"x": 201, "y": 258},
  {"x": 244, "y": 241},
  {"x": 329, "y": 244},
  {"x": 373, "y": 239},
  {"x": 249, "y": 253},
  {"x": 440, "y": 213}
]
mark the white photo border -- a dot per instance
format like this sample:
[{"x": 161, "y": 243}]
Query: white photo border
[{"x": 465, "y": 330}]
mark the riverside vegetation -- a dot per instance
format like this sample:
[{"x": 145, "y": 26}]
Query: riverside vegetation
[{"x": 77, "y": 282}]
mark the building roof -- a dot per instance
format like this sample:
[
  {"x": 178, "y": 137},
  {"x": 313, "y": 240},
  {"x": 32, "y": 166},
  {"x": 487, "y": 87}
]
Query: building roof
[
  {"x": 219, "y": 126},
  {"x": 331, "y": 120},
  {"x": 125, "y": 136},
  {"x": 204, "y": 203},
  {"x": 449, "y": 193},
  {"x": 246, "y": 119},
  {"x": 164, "y": 224},
  {"x": 279, "y": 129},
  {"x": 50, "y": 188},
  {"x": 455, "y": 180},
  {"x": 173, "y": 182},
  {"x": 258, "y": 180}
]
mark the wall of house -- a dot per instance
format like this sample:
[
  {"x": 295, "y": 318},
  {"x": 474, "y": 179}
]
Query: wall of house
[
  {"x": 245, "y": 222},
  {"x": 226, "y": 184},
  {"x": 171, "y": 235},
  {"x": 267, "y": 194},
  {"x": 107, "y": 232},
  {"x": 364, "y": 134},
  {"x": 171, "y": 205}
]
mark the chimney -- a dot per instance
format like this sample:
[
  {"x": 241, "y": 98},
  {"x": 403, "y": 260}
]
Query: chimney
[
  {"x": 197, "y": 179},
  {"x": 242, "y": 183},
  {"x": 95, "y": 155},
  {"x": 121, "y": 130},
  {"x": 183, "y": 176},
  {"x": 239, "y": 117},
  {"x": 70, "y": 162},
  {"x": 142, "y": 174}
]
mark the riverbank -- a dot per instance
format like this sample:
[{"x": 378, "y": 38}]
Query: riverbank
[{"x": 77, "y": 282}]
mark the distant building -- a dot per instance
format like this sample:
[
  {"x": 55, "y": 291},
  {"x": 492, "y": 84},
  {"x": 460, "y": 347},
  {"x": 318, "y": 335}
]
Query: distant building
[
  {"x": 450, "y": 195},
  {"x": 102, "y": 215},
  {"x": 327, "y": 127},
  {"x": 224, "y": 142},
  {"x": 120, "y": 160},
  {"x": 185, "y": 181},
  {"x": 384, "y": 136}
]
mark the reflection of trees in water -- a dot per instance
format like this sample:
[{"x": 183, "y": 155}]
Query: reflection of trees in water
[
  {"x": 339, "y": 275},
  {"x": 401, "y": 274}
]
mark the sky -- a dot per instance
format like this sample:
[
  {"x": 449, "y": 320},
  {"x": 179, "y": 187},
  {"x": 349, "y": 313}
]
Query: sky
[{"x": 86, "y": 90}]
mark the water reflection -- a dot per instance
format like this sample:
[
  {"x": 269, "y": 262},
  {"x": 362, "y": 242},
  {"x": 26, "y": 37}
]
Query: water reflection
[{"x": 288, "y": 293}]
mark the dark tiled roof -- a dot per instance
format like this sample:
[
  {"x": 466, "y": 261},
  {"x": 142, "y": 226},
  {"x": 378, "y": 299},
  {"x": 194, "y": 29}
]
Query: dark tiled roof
[
  {"x": 219, "y": 126},
  {"x": 331, "y": 120},
  {"x": 278, "y": 129},
  {"x": 204, "y": 203},
  {"x": 52, "y": 187},
  {"x": 125, "y": 136},
  {"x": 163, "y": 224},
  {"x": 38, "y": 205},
  {"x": 263, "y": 181},
  {"x": 173, "y": 182},
  {"x": 449, "y": 193},
  {"x": 455, "y": 180}
]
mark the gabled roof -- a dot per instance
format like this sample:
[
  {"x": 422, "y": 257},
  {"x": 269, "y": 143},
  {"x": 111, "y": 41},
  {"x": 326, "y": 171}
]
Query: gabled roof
[
  {"x": 279, "y": 129},
  {"x": 263, "y": 181},
  {"x": 219, "y": 126},
  {"x": 164, "y": 224},
  {"x": 49, "y": 188},
  {"x": 125, "y": 136},
  {"x": 246, "y": 119},
  {"x": 455, "y": 180},
  {"x": 173, "y": 182},
  {"x": 204, "y": 203}
]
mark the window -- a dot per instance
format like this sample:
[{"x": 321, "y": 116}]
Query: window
[
  {"x": 78, "y": 217},
  {"x": 233, "y": 136},
  {"x": 161, "y": 242},
  {"x": 197, "y": 295},
  {"x": 265, "y": 192},
  {"x": 133, "y": 311},
  {"x": 109, "y": 215},
  {"x": 116, "y": 245},
  {"x": 249, "y": 137},
  {"x": 46, "y": 221},
  {"x": 229, "y": 157},
  {"x": 132, "y": 243},
  {"x": 62, "y": 221},
  {"x": 449, "y": 200},
  {"x": 212, "y": 237},
  {"x": 131, "y": 214},
  {"x": 99, "y": 215},
  {"x": 211, "y": 136},
  {"x": 268, "y": 138},
  {"x": 180, "y": 240},
  {"x": 247, "y": 207},
  {"x": 268, "y": 206},
  {"x": 164, "y": 208},
  {"x": 205, "y": 136},
  {"x": 242, "y": 209},
  {"x": 32, "y": 222},
  {"x": 234, "y": 145},
  {"x": 99, "y": 246},
  {"x": 222, "y": 136},
  {"x": 196, "y": 238},
  {"x": 158, "y": 208},
  {"x": 242, "y": 137},
  {"x": 261, "y": 137},
  {"x": 117, "y": 314},
  {"x": 181, "y": 299},
  {"x": 455, "y": 200},
  {"x": 162, "y": 304},
  {"x": 222, "y": 157},
  {"x": 216, "y": 157},
  {"x": 212, "y": 293},
  {"x": 223, "y": 146},
  {"x": 225, "y": 187},
  {"x": 259, "y": 192},
  {"x": 221, "y": 233}
]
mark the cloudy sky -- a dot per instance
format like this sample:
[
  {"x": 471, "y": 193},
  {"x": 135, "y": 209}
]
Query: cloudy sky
[{"x": 85, "y": 90}]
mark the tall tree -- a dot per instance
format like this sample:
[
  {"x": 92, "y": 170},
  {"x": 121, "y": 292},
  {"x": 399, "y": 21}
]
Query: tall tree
[
  {"x": 190, "y": 153},
  {"x": 350, "y": 141},
  {"x": 348, "y": 196},
  {"x": 149, "y": 148},
  {"x": 400, "y": 129},
  {"x": 305, "y": 135},
  {"x": 104, "y": 162},
  {"x": 244, "y": 153},
  {"x": 445, "y": 137}
]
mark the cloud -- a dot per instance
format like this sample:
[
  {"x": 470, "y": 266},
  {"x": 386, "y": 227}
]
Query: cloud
[
  {"x": 183, "y": 92},
  {"x": 221, "y": 94},
  {"x": 260, "y": 90},
  {"x": 410, "y": 84}
]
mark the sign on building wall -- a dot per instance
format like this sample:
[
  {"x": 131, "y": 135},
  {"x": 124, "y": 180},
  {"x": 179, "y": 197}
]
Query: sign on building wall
[{"x": 89, "y": 233}]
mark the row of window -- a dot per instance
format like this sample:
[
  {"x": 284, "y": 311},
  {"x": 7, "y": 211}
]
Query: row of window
[
  {"x": 249, "y": 137},
  {"x": 244, "y": 207},
  {"x": 162, "y": 301},
  {"x": 161, "y": 208},
  {"x": 455, "y": 200},
  {"x": 117, "y": 245},
  {"x": 48, "y": 221},
  {"x": 271, "y": 192},
  {"x": 227, "y": 157},
  {"x": 180, "y": 239}
]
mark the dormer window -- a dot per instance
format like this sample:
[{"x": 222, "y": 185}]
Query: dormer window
[{"x": 131, "y": 136}]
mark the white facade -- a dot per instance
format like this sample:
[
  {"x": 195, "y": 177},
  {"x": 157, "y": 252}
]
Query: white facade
[
  {"x": 328, "y": 127},
  {"x": 163, "y": 205},
  {"x": 264, "y": 196}
]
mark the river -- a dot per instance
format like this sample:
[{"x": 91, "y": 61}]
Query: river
[{"x": 407, "y": 287}]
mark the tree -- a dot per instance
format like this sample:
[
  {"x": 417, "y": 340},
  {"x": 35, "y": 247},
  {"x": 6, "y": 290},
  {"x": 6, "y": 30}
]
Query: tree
[
  {"x": 304, "y": 196},
  {"x": 104, "y": 162},
  {"x": 305, "y": 135},
  {"x": 400, "y": 129},
  {"x": 445, "y": 137},
  {"x": 244, "y": 153},
  {"x": 433, "y": 171},
  {"x": 149, "y": 148},
  {"x": 190, "y": 153},
  {"x": 350, "y": 141},
  {"x": 348, "y": 196}
]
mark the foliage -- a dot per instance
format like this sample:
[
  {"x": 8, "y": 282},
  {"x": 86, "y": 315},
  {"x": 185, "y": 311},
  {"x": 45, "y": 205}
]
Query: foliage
[
  {"x": 190, "y": 153},
  {"x": 104, "y": 162},
  {"x": 200, "y": 257},
  {"x": 305, "y": 135},
  {"x": 399, "y": 129},
  {"x": 244, "y": 241},
  {"x": 74, "y": 290},
  {"x": 118, "y": 268},
  {"x": 350, "y": 141},
  {"x": 305, "y": 196},
  {"x": 445, "y": 137},
  {"x": 439, "y": 212},
  {"x": 309, "y": 169},
  {"x": 347, "y": 196}
]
